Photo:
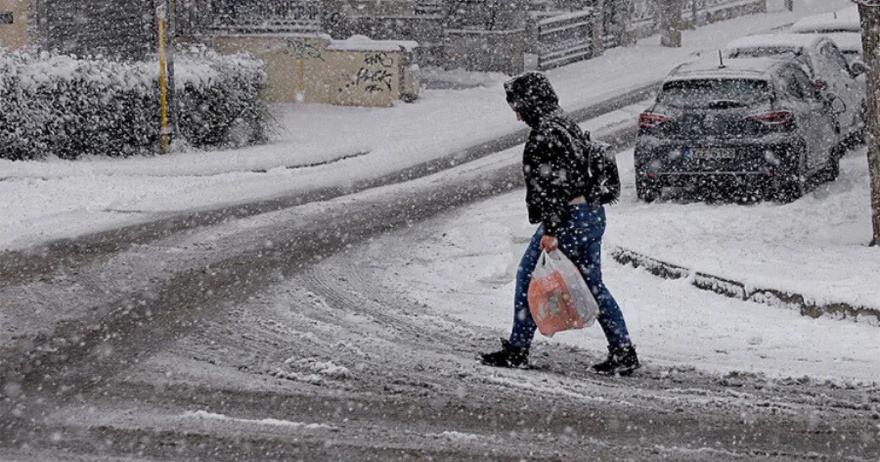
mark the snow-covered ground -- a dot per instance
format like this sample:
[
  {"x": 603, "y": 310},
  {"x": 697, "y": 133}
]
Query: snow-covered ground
[
  {"x": 815, "y": 246},
  {"x": 44, "y": 201}
]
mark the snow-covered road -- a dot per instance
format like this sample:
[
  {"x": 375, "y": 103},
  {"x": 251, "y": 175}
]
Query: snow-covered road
[
  {"x": 347, "y": 328},
  {"x": 370, "y": 355},
  {"x": 313, "y": 333}
]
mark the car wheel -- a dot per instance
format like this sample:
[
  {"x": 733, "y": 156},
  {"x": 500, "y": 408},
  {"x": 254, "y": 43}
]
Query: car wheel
[
  {"x": 832, "y": 166},
  {"x": 791, "y": 189},
  {"x": 647, "y": 191},
  {"x": 859, "y": 137}
]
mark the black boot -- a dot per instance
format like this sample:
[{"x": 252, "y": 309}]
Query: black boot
[
  {"x": 621, "y": 361},
  {"x": 509, "y": 356}
]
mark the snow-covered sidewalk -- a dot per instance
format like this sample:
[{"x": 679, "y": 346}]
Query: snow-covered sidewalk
[
  {"x": 815, "y": 247},
  {"x": 49, "y": 200}
]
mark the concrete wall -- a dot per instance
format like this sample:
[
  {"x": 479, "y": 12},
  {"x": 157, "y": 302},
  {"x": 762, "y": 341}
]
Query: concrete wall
[
  {"x": 318, "y": 69},
  {"x": 15, "y": 35},
  {"x": 486, "y": 51}
]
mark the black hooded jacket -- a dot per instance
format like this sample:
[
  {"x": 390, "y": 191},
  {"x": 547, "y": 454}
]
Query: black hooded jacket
[{"x": 551, "y": 166}]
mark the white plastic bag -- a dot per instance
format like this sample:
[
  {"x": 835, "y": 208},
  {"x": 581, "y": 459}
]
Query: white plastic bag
[{"x": 559, "y": 299}]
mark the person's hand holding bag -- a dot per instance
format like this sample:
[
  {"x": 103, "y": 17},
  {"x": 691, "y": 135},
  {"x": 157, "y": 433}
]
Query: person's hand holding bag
[{"x": 549, "y": 243}]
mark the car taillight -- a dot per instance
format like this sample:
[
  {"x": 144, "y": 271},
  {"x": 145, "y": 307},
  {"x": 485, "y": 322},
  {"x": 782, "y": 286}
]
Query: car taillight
[
  {"x": 775, "y": 118},
  {"x": 649, "y": 119}
]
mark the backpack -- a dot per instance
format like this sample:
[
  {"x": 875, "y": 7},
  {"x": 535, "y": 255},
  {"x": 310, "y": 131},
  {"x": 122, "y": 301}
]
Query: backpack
[{"x": 599, "y": 167}]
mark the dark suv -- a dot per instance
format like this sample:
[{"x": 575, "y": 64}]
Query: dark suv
[{"x": 757, "y": 123}]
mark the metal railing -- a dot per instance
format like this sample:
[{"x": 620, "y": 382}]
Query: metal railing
[
  {"x": 268, "y": 15},
  {"x": 643, "y": 15},
  {"x": 565, "y": 39}
]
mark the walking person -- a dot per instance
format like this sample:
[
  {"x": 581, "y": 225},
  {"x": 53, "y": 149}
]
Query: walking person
[{"x": 568, "y": 220}]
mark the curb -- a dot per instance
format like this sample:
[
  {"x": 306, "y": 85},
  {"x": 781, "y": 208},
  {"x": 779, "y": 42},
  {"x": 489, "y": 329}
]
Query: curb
[{"x": 736, "y": 289}]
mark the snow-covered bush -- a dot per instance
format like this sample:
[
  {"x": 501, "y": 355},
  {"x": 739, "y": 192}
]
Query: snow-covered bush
[
  {"x": 69, "y": 107},
  {"x": 218, "y": 94}
]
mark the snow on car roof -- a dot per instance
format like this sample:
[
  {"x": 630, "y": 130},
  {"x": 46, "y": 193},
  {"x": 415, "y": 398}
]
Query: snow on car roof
[
  {"x": 846, "y": 19},
  {"x": 710, "y": 67},
  {"x": 847, "y": 42},
  {"x": 785, "y": 41}
]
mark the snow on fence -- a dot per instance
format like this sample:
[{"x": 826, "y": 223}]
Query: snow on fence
[
  {"x": 565, "y": 39},
  {"x": 64, "y": 106}
]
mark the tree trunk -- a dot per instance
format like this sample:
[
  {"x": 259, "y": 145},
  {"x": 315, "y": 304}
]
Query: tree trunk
[
  {"x": 670, "y": 23},
  {"x": 870, "y": 18}
]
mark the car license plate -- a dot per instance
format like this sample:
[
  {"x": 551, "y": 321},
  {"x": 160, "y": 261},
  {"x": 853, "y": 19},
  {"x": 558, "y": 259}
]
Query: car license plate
[{"x": 711, "y": 153}]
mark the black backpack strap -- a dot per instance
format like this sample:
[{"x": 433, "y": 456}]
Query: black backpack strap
[{"x": 576, "y": 140}]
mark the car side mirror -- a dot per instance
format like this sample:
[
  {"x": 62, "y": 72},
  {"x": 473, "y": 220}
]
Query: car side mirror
[
  {"x": 858, "y": 68},
  {"x": 838, "y": 106}
]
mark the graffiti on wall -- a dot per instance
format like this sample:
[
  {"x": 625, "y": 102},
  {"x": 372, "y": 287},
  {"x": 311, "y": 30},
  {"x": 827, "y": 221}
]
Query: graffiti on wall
[
  {"x": 376, "y": 74},
  {"x": 379, "y": 59},
  {"x": 302, "y": 49},
  {"x": 374, "y": 81}
]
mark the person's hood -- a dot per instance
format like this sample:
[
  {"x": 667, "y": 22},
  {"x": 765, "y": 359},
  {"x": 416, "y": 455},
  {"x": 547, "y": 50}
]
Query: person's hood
[{"x": 532, "y": 96}]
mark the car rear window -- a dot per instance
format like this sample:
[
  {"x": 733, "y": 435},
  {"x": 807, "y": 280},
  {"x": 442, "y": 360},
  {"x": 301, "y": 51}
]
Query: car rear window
[{"x": 714, "y": 93}]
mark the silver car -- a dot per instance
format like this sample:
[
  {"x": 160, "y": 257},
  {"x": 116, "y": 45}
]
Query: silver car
[
  {"x": 843, "y": 20},
  {"x": 827, "y": 67},
  {"x": 843, "y": 27}
]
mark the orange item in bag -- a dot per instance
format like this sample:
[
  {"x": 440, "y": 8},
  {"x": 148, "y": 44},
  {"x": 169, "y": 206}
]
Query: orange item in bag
[
  {"x": 559, "y": 298},
  {"x": 551, "y": 304}
]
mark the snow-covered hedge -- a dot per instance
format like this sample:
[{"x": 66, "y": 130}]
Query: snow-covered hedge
[{"x": 56, "y": 105}]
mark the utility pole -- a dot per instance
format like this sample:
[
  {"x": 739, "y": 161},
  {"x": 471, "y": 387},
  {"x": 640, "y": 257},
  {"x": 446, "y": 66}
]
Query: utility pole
[
  {"x": 170, "y": 40},
  {"x": 869, "y": 12},
  {"x": 670, "y": 23},
  {"x": 167, "y": 113},
  {"x": 164, "y": 131}
]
